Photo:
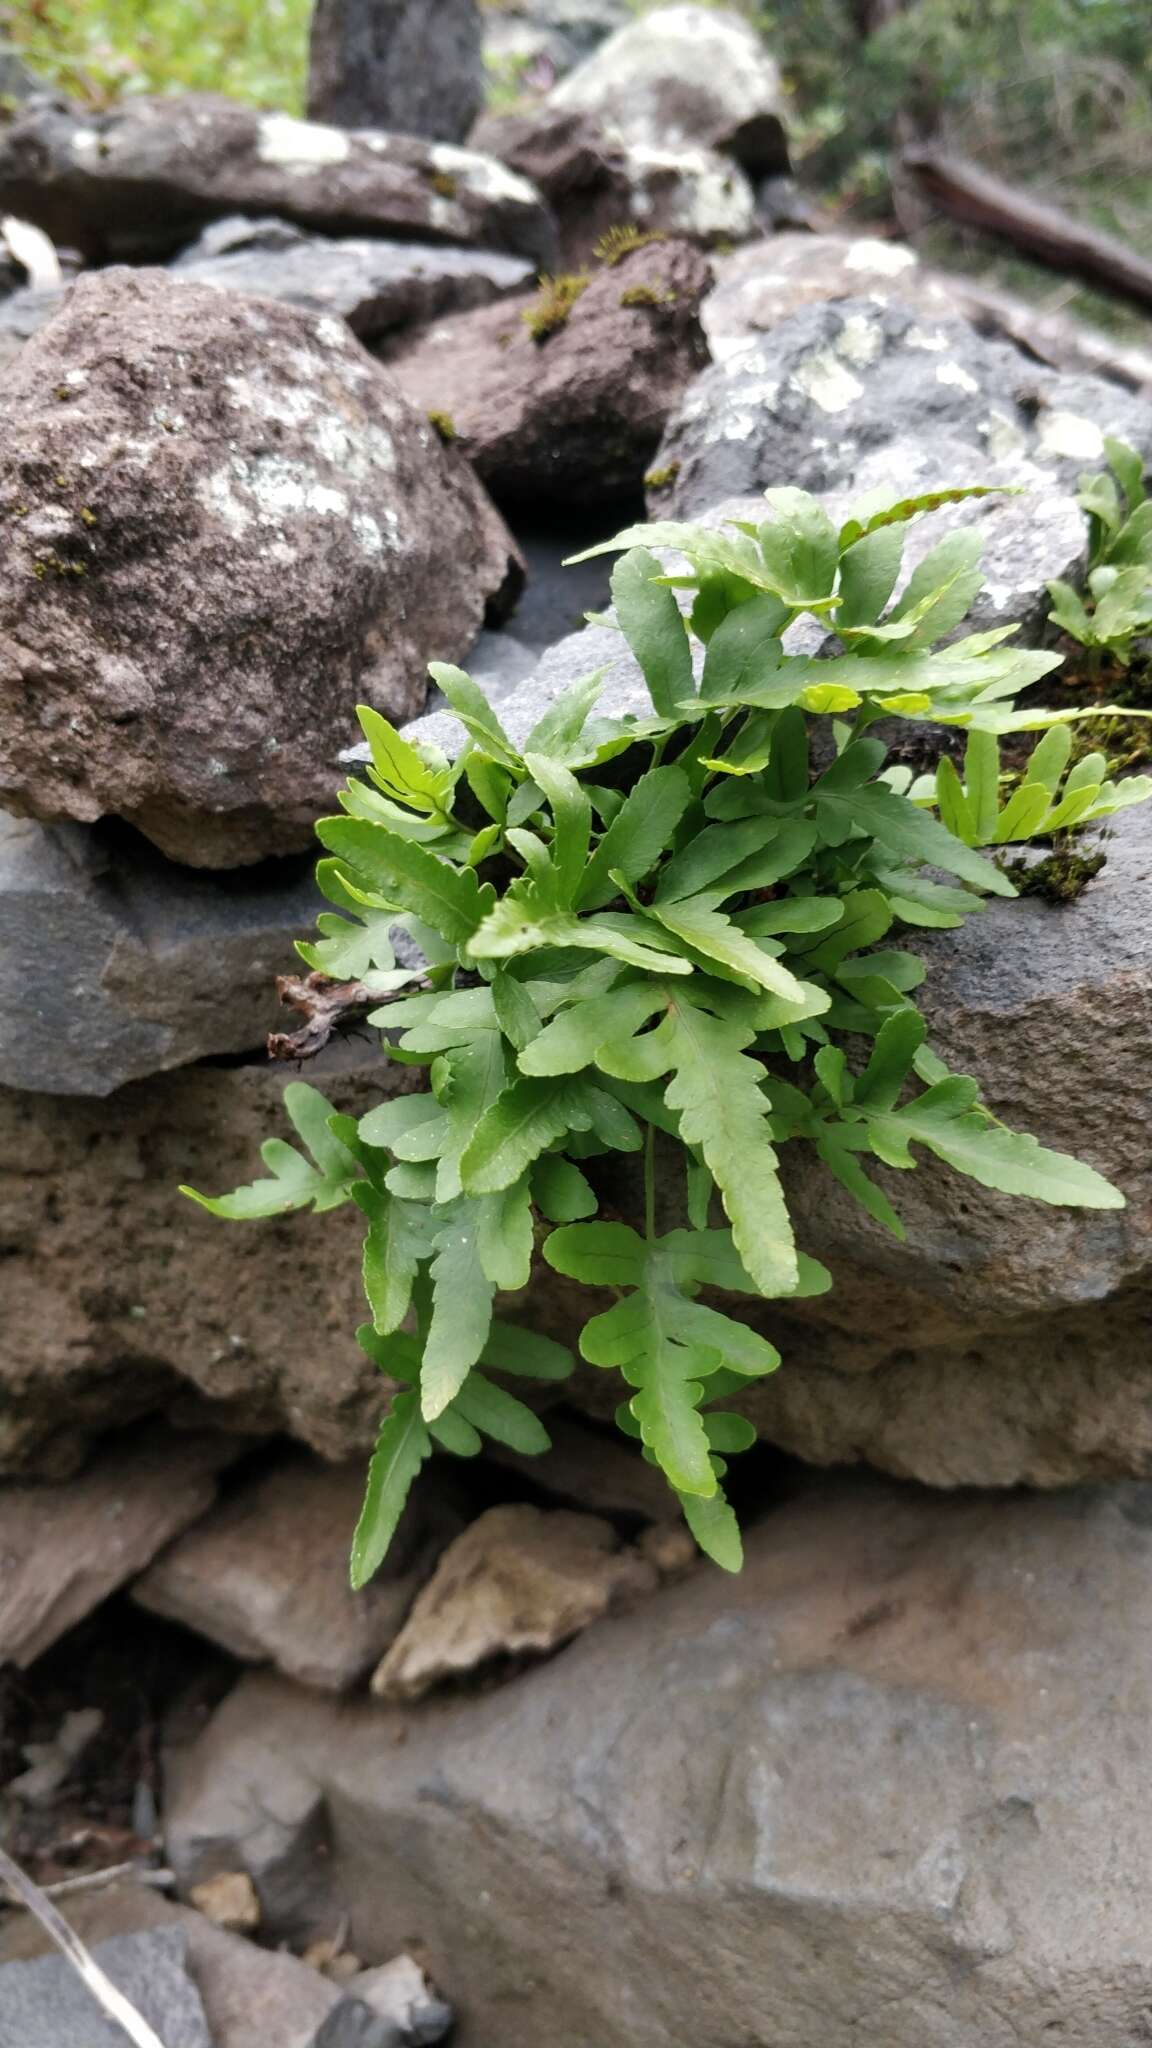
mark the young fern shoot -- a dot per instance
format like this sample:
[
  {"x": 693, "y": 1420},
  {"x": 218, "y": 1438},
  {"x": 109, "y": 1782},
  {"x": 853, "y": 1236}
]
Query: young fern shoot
[{"x": 685, "y": 924}]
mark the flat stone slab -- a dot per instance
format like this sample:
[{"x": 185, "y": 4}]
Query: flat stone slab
[{"x": 45, "y": 2004}]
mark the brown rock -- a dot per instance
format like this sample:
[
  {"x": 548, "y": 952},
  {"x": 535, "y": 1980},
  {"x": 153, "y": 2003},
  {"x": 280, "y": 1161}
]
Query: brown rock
[
  {"x": 518, "y": 1582},
  {"x": 138, "y": 179},
  {"x": 266, "y": 1575},
  {"x": 591, "y": 1470},
  {"x": 64, "y": 1549},
  {"x": 576, "y": 413},
  {"x": 228, "y": 1900},
  {"x": 226, "y": 525}
]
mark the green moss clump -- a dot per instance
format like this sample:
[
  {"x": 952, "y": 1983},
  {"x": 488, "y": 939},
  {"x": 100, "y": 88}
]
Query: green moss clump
[
  {"x": 57, "y": 565},
  {"x": 1060, "y": 877},
  {"x": 618, "y": 242},
  {"x": 442, "y": 423},
  {"x": 446, "y": 185},
  {"x": 661, "y": 479},
  {"x": 553, "y": 303},
  {"x": 647, "y": 295}
]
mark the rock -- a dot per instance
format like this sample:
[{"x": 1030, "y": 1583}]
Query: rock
[
  {"x": 309, "y": 542},
  {"x": 135, "y": 181},
  {"x": 545, "y": 38},
  {"x": 398, "y": 64},
  {"x": 591, "y": 1471},
  {"x": 375, "y": 286},
  {"x": 115, "y": 964},
  {"x": 23, "y": 313},
  {"x": 252, "y": 1997},
  {"x": 400, "y": 1993},
  {"x": 763, "y": 284},
  {"x": 806, "y": 403},
  {"x": 65, "y": 1548},
  {"x": 45, "y": 2004},
  {"x": 520, "y": 1581},
  {"x": 122, "y": 1300},
  {"x": 574, "y": 412},
  {"x": 50, "y": 1764},
  {"x": 685, "y": 77},
  {"x": 266, "y": 1575},
  {"x": 594, "y": 182},
  {"x": 887, "y": 1784},
  {"x": 228, "y": 1900}
]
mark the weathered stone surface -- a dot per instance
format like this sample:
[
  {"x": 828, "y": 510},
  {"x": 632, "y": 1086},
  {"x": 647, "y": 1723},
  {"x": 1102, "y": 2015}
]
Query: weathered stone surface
[
  {"x": 252, "y": 1997},
  {"x": 135, "y": 181},
  {"x": 45, "y": 2004},
  {"x": 266, "y": 1575},
  {"x": 407, "y": 65},
  {"x": 589, "y": 1470},
  {"x": 375, "y": 286},
  {"x": 23, "y": 313},
  {"x": 400, "y": 1993},
  {"x": 805, "y": 403},
  {"x": 63, "y": 1549},
  {"x": 577, "y": 414},
  {"x": 115, "y": 964},
  {"x": 227, "y": 526},
  {"x": 594, "y": 181},
  {"x": 519, "y": 1582},
  {"x": 545, "y": 38},
  {"x": 122, "y": 1299},
  {"x": 685, "y": 77},
  {"x": 887, "y": 1785}
]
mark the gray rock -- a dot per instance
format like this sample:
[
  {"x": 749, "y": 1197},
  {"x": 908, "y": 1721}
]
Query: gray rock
[
  {"x": 685, "y": 77},
  {"x": 375, "y": 286},
  {"x": 887, "y": 1785},
  {"x": 228, "y": 527},
  {"x": 23, "y": 313},
  {"x": 115, "y": 964},
  {"x": 44, "y": 2004},
  {"x": 266, "y": 1574},
  {"x": 66, "y": 1548},
  {"x": 400, "y": 1994},
  {"x": 139, "y": 179},
  {"x": 807, "y": 402},
  {"x": 548, "y": 37},
  {"x": 594, "y": 181},
  {"x": 17, "y": 82},
  {"x": 415, "y": 66}
]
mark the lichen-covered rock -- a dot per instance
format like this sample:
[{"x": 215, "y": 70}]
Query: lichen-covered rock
[
  {"x": 123, "y": 1299},
  {"x": 399, "y": 64},
  {"x": 685, "y": 77},
  {"x": 139, "y": 179},
  {"x": 888, "y": 1786},
  {"x": 807, "y": 401},
  {"x": 225, "y": 525},
  {"x": 116, "y": 964},
  {"x": 569, "y": 412},
  {"x": 545, "y": 38},
  {"x": 595, "y": 182},
  {"x": 375, "y": 286},
  {"x": 759, "y": 286}
]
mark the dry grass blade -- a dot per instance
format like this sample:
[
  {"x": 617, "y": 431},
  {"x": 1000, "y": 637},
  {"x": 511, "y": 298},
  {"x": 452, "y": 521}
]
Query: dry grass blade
[{"x": 111, "y": 2001}]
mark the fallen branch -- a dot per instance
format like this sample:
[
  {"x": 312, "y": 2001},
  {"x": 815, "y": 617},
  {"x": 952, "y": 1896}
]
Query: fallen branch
[
  {"x": 326, "y": 1004},
  {"x": 95, "y": 1881},
  {"x": 1053, "y": 337},
  {"x": 111, "y": 2001},
  {"x": 979, "y": 200}
]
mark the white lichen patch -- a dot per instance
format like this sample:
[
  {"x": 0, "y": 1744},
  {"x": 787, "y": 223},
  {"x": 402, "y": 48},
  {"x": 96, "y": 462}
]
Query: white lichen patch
[
  {"x": 929, "y": 338},
  {"x": 882, "y": 259},
  {"x": 957, "y": 376},
  {"x": 84, "y": 143},
  {"x": 331, "y": 333},
  {"x": 1066, "y": 433},
  {"x": 824, "y": 379},
  {"x": 300, "y": 146},
  {"x": 265, "y": 491},
  {"x": 860, "y": 340},
  {"x": 482, "y": 175}
]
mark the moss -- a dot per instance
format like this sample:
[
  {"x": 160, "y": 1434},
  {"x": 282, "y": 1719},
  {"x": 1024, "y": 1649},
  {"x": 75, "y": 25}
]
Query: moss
[
  {"x": 1060, "y": 877},
  {"x": 648, "y": 295},
  {"x": 661, "y": 479},
  {"x": 618, "y": 242},
  {"x": 443, "y": 424},
  {"x": 64, "y": 392},
  {"x": 58, "y": 565},
  {"x": 445, "y": 184},
  {"x": 87, "y": 515},
  {"x": 553, "y": 303}
]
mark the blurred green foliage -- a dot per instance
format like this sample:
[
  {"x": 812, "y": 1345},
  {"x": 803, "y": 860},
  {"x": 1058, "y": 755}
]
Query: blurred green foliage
[{"x": 96, "y": 50}]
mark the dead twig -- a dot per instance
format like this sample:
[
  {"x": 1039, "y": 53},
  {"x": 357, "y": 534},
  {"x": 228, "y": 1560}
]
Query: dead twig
[
  {"x": 326, "y": 1004},
  {"x": 94, "y": 1881},
  {"x": 108, "y": 1998}
]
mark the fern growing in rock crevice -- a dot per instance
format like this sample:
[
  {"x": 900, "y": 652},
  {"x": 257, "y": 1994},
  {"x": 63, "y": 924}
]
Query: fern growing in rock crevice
[{"x": 669, "y": 924}]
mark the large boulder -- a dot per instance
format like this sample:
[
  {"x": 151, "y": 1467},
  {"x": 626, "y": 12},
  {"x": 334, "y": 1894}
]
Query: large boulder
[
  {"x": 139, "y": 179},
  {"x": 226, "y": 525},
  {"x": 570, "y": 413},
  {"x": 116, "y": 964},
  {"x": 545, "y": 38},
  {"x": 685, "y": 77},
  {"x": 399, "y": 64},
  {"x": 595, "y": 182},
  {"x": 804, "y": 403},
  {"x": 888, "y": 1786},
  {"x": 375, "y": 286}
]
